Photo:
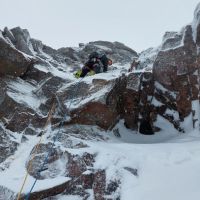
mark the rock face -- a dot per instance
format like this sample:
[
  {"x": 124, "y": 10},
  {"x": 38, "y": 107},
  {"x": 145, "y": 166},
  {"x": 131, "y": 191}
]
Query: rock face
[
  {"x": 118, "y": 52},
  {"x": 8, "y": 146},
  {"x": 22, "y": 40},
  {"x": 177, "y": 70},
  {"x": 15, "y": 41},
  {"x": 27, "y": 95},
  {"x": 36, "y": 78},
  {"x": 12, "y": 61},
  {"x": 196, "y": 25}
]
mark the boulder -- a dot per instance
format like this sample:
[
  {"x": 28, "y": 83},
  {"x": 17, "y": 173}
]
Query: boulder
[
  {"x": 196, "y": 25},
  {"x": 176, "y": 70},
  {"x": 12, "y": 61},
  {"x": 22, "y": 40},
  {"x": 8, "y": 146},
  {"x": 7, "y": 33}
]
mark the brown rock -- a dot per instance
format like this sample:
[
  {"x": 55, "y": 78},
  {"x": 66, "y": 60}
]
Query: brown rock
[
  {"x": 95, "y": 113},
  {"x": 99, "y": 185},
  {"x": 12, "y": 61}
]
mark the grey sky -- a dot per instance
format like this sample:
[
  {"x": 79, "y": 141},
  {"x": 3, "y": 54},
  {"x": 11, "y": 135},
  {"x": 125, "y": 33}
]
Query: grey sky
[{"x": 139, "y": 24}]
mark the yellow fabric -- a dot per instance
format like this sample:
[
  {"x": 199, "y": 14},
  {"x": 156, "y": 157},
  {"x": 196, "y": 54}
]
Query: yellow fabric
[
  {"x": 91, "y": 73},
  {"x": 78, "y": 73}
]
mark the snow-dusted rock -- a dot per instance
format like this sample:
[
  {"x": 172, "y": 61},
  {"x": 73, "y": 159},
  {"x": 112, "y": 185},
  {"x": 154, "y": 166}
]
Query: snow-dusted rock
[
  {"x": 196, "y": 25},
  {"x": 88, "y": 111},
  {"x": 175, "y": 69},
  {"x": 147, "y": 58},
  {"x": 8, "y": 145},
  {"x": 172, "y": 40},
  {"x": 96, "y": 98},
  {"x": 118, "y": 52},
  {"x": 7, "y": 194},
  {"x": 37, "y": 45},
  {"x": 7, "y": 33},
  {"x": 12, "y": 61},
  {"x": 22, "y": 40}
]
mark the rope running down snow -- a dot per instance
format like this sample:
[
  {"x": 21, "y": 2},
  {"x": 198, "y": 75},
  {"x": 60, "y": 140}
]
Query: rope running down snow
[
  {"x": 54, "y": 139},
  {"x": 35, "y": 150}
]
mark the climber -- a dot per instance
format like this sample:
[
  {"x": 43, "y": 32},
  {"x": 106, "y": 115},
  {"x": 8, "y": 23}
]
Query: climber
[{"x": 96, "y": 64}]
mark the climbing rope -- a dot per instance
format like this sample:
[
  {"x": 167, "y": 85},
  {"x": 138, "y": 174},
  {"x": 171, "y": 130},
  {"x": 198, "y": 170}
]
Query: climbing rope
[
  {"x": 45, "y": 160},
  {"x": 54, "y": 140},
  {"x": 36, "y": 148}
]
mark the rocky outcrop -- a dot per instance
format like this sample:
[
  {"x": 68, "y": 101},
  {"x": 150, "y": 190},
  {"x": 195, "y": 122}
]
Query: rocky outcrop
[
  {"x": 104, "y": 111},
  {"x": 138, "y": 95},
  {"x": 22, "y": 40},
  {"x": 8, "y": 146},
  {"x": 178, "y": 61},
  {"x": 174, "y": 69},
  {"x": 9, "y": 35},
  {"x": 196, "y": 25},
  {"x": 168, "y": 89},
  {"x": 177, "y": 70},
  {"x": 147, "y": 58},
  {"x": 12, "y": 61},
  {"x": 80, "y": 169},
  {"x": 118, "y": 52}
]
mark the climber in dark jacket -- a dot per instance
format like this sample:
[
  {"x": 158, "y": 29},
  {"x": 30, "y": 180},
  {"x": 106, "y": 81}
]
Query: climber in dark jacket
[{"x": 96, "y": 63}]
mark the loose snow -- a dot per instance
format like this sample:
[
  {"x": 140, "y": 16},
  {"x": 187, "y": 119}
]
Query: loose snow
[
  {"x": 12, "y": 177},
  {"x": 195, "y": 22},
  {"x": 23, "y": 93}
]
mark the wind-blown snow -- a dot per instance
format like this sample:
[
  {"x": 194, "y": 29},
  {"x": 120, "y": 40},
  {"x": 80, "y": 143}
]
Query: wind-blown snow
[
  {"x": 196, "y": 21},
  {"x": 196, "y": 109},
  {"x": 148, "y": 57},
  {"x": 166, "y": 170},
  {"x": 91, "y": 98},
  {"x": 53, "y": 70},
  {"x": 69, "y": 197},
  {"x": 177, "y": 39},
  {"x": 23, "y": 93},
  {"x": 103, "y": 48},
  {"x": 12, "y": 177},
  {"x": 163, "y": 89}
]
